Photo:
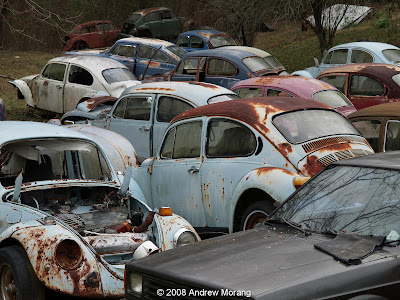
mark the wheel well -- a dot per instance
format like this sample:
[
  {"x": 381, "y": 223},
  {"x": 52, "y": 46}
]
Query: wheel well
[
  {"x": 9, "y": 242},
  {"x": 247, "y": 198}
]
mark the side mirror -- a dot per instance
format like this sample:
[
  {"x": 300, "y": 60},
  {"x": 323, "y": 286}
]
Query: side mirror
[{"x": 316, "y": 62}]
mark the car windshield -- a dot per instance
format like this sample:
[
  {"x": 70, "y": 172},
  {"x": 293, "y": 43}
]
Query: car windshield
[
  {"x": 178, "y": 51},
  {"x": 392, "y": 54},
  {"x": 117, "y": 75},
  {"x": 221, "y": 98},
  {"x": 133, "y": 18},
  {"x": 304, "y": 125},
  {"x": 273, "y": 62},
  {"x": 52, "y": 159},
  {"x": 256, "y": 63},
  {"x": 222, "y": 40},
  {"x": 343, "y": 198},
  {"x": 332, "y": 98}
]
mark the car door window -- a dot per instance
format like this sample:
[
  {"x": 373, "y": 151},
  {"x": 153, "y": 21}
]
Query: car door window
[
  {"x": 392, "y": 136},
  {"x": 119, "y": 111},
  {"x": 229, "y": 139},
  {"x": 182, "y": 41},
  {"x": 138, "y": 108},
  {"x": 54, "y": 71},
  {"x": 188, "y": 66},
  {"x": 151, "y": 17},
  {"x": 183, "y": 141},
  {"x": 165, "y": 14},
  {"x": 79, "y": 75},
  {"x": 338, "y": 81},
  {"x": 365, "y": 86},
  {"x": 369, "y": 129},
  {"x": 249, "y": 92},
  {"x": 339, "y": 57},
  {"x": 169, "y": 108},
  {"x": 275, "y": 92},
  {"x": 220, "y": 67},
  {"x": 124, "y": 50},
  {"x": 196, "y": 42},
  {"x": 359, "y": 56},
  {"x": 151, "y": 53}
]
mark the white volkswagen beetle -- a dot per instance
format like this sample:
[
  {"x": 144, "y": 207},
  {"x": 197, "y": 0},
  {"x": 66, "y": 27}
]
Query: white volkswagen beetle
[{"x": 66, "y": 81}]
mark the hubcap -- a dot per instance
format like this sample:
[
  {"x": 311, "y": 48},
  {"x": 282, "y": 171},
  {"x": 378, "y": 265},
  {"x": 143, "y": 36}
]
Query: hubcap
[
  {"x": 7, "y": 284},
  {"x": 256, "y": 217}
]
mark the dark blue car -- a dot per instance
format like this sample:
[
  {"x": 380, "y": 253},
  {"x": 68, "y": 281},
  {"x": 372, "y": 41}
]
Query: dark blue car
[
  {"x": 220, "y": 66},
  {"x": 204, "y": 39},
  {"x": 143, "y": 56}
]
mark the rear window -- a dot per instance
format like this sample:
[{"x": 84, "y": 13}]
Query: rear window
[
  {"x": 222, "y": 40},
  {"x": 392, "y": 55},
  {"x": 273, "y": 62},
  {"x": 332, "y": 98},
  {"x": 256, "y": 63},
  {"x": 117, "y": 75},
  {"x": 305, "y": 125}
]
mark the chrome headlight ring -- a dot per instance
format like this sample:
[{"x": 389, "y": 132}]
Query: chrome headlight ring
[{"x": 184, "y": 236}]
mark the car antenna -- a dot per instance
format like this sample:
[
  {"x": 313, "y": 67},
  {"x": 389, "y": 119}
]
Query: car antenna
[{"x": 150, "y": 62}]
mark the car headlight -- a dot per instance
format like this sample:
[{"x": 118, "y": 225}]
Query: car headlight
[
  {"x": 135, "y": 283},
  {"x": 184, "y": 236}
]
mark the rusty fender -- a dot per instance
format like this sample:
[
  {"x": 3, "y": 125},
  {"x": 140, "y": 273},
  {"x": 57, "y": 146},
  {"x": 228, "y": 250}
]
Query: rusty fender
[
  {"x": 79, "y": 273},
  {"x": 166, "y": 227},
  {"x": 276, "y": 182}
]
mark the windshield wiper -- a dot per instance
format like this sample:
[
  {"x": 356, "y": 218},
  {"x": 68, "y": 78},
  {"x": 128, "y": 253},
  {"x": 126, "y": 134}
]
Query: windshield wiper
[{"x": 292, "y": 224}]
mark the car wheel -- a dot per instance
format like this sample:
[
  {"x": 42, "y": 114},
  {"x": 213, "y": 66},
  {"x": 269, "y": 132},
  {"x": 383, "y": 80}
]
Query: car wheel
[
  {"x": 255, "y": 214},
  {"x": 18, "y": 281}
]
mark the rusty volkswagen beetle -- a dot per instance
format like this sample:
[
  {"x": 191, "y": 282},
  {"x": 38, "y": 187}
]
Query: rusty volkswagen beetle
[
  {"x": 69, "y": 221},
  {"x": 225, "y": 166}
]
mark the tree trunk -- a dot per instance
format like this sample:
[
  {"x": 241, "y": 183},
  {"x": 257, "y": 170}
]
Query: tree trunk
[{"x": 317, "y": 8}]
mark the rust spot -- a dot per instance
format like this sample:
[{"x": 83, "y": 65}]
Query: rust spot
[
  {"x": 312, "y": 166},
  {"x": 206, "y": 85},
  {"x": 337, "y": 147},
  {"x": 155, "y": 89},
  {"x": 285, "y": 148},
  {"x": 68, "y": 254},
  {"x": 94, "y": 102},
  {"x": 266, "y": 170},
  {"x": 146, "y": 11}
]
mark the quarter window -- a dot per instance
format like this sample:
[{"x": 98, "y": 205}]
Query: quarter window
[
  {"x": 166, "y": 14},
  {"x": 229, "y": 139},
  {"x": 154, "y": 16},
  {"x": 183, "y": 141},
  {"x": 196, "y": 42},
  {"x": 392, "y": 141},
  {"x": 337, "y": 81},
  {"x": 54, "y": 71},
  {"x": 124, "y": 50},
  {"x": 370, "y": 130},
  {"x": 169, "y": 108},
  {"x": 220, "y": 67},
  {"x": 80, "y": 76},
  {"x": 182, "y": 41},
  {"x": 358, "y": 56},
  {"x": 365, "y": 86},
  {"x": 249, "y": 92}
]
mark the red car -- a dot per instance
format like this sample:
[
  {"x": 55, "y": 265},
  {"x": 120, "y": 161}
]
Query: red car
[
  {"x": 93, "y": 34},
  {"x": 365, "y": 84}
]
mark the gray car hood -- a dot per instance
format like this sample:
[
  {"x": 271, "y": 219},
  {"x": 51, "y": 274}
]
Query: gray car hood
[{"x": 271, "y": 263}]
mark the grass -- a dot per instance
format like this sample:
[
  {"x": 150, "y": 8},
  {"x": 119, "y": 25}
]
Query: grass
[{"x": 291, "y": 46}]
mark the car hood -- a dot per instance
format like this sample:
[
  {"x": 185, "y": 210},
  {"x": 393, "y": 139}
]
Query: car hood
[{"x": 263, "y": 261}]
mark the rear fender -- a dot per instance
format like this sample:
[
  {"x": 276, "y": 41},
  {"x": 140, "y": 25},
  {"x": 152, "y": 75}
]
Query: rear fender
[
  {"x": 302, "y": 73},
  {"x": 23, "y": 87},
  {"x": 276, "y": 182}
]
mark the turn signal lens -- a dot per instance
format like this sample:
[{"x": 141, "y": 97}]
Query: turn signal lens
[
  {"x": 298, "y": 181},
  {"x": 165, "y": 211}
]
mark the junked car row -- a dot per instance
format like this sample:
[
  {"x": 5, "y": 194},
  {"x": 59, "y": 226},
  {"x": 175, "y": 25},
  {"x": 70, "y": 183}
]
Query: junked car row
[{"x": 134, "y": 168}]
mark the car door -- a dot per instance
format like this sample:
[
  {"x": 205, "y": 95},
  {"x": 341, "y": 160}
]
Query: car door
[
  {"x": 48, "y": 88},
  {"x": 175, "y": 175},
  {"x": 189, "y": 69},
  {"x": 152, "y": 61},
  {"x": 103, "y": 30},
  {"x": 79, "y": 82},
  {"x": 364, "y": 91},
  {"x": 229, "y": 155},
  {"x": 132, "y": 117},
  {"x": 125, "y": 54},
  {"x": 334, "y": 58},
  {"x": 183, "y": 42},
  {"x": 221, "y": 72},
  {"x": 168, "y": 107},
  {"x": 338, "y": 80},
  {"x": 153, "y": 22}
]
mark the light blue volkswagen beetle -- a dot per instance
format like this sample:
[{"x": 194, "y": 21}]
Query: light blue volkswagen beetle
[
  {"x": 68, "y": 221},
  {"x": 357, "y": 52}
]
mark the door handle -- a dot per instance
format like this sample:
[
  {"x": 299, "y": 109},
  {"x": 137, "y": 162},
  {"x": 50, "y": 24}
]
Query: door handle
[
  {"x": 59, "y": 87},
  {"x": 193, "y": 169},
  {"x": 144, "y": 128}
]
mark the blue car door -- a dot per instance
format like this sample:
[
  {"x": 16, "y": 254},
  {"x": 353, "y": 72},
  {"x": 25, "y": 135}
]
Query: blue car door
[
  {"x": 125, "y": 54},
  {"x": 222, "y": 72},
  {"x": 190, "y": 69}
]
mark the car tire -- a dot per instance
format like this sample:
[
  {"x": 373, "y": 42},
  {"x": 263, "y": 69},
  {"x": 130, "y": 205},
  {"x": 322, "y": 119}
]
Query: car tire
[
  {"x": 17, "y": 278},
  {"x": 255, "y": 214}
]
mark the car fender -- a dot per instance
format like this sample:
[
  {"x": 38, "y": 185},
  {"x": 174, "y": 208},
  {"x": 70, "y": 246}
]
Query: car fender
[
  {"x": 40, "y": 243},
  {"x": 93, "y": 95},
  {"x": 167, "y": 227},
  {"x": 302, "y": 73},
  {"x": 23, "y": 87},
  {"x": 276, "y": 182},
  {"x": 137, "y": 193}
]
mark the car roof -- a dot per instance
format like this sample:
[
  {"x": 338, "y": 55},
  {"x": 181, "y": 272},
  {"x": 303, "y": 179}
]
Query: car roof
[
  {"x": 301, "y": 86},
  {"x": 96, "y": 64},
  {"x": 145, "y": 41},
  {"x": 253, "y": 50},
  {"x": 196, "y": 92},
  {"x": 221, "y": 52},
  {"x": 254, "y": 111},
  {"x": 146, "y": 11},
  {"x": 207, "y": 33},
  {"x": 24, "y": 130},
  {"x": 383, "y": 160},
  {"x": 381, "y": 110},
  {"x": 382, "y": 71},
  {"x": 368, "y": 45}
]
